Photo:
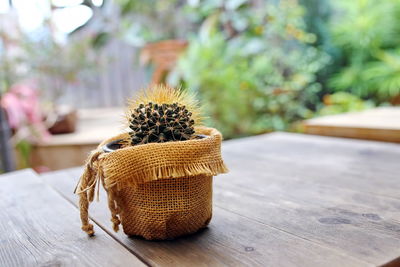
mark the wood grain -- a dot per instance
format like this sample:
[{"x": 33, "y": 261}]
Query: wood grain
[
  {"x": 230, "y": 240},
  {"x": 363, "y": 166},
  {"x": 340, "y": 193},
  {"x": 39, "y": 228}
]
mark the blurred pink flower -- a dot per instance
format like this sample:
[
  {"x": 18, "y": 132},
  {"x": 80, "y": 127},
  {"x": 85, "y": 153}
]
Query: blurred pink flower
[
  {"x": 12, "y": 105},
  {"x": 21, "y": 103}
]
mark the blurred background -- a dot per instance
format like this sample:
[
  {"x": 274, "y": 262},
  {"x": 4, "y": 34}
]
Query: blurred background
[{"x": 67, "y": 67}]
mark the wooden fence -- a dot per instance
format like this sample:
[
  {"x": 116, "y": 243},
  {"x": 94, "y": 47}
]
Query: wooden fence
[{"x": 117, "y": 77}]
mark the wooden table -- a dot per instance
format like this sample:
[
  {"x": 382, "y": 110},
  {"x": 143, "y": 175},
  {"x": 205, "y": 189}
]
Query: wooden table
[
  {"x": 381, "y": 124},
  {"x": 289, "y": 200}
]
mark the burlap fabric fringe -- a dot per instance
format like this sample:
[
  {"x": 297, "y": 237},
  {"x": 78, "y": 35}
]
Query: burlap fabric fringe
[{"x": 140, "y": 179}]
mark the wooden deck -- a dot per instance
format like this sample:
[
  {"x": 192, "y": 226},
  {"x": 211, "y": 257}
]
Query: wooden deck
[
  {"x": 380, "y": 124},
  {"x": 289, "y": 200}
]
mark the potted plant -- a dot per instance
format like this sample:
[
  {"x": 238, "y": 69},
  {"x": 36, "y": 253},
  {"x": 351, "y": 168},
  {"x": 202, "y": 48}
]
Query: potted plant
[
  {"x": 163, "y": 55},
  {"x": 158, "y": 174}
]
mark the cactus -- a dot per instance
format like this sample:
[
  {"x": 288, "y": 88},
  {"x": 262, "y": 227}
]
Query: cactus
[{"x": 162, "y": 114}]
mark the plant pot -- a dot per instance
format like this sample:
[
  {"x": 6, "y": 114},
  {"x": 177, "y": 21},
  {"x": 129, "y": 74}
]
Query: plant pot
[
  {"x": 160, "y": 209},
  {"x": 157, "y": 190},
  {"x": 163, "y": 55},
  {"x": 65, "y": 122},
  {"x": 166, "y": 208}
]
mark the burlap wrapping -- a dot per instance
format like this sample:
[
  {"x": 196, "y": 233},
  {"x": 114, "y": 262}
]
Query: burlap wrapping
[{"x": 156, "y": 190}]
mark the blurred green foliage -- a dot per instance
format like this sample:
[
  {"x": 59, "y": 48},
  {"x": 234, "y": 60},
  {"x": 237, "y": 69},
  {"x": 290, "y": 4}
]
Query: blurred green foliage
[
  {"x": 260, "y": 66},
  {"x": 317, "y": 17},
  {"x": 368, "y": 35},
  {"x": 252, "y": 66},
  {"x": 256, "y": 65},
  {"x": 152, "y": 20}
]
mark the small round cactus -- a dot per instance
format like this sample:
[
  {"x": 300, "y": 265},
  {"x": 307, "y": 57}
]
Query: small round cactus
[
  {"x": 154, "y": 123},
  {"x": 162, "y": 114}
]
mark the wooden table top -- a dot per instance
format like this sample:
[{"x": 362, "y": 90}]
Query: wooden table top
[
  {"x": 381, "y": 124},
  {"x": 289, "y": 200}
]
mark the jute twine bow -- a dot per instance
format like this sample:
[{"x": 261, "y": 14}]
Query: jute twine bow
[{"x": 86, "y": 189}]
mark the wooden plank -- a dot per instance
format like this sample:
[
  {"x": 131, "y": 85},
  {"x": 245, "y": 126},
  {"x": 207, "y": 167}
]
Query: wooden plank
[
  {"x": 385, "y": 135},
  {"x": 381, "y": 124},
  {"x": 378, "y": 118},
  {"x": 39, "y": 228},
  {"x": 231, "y": 239}
]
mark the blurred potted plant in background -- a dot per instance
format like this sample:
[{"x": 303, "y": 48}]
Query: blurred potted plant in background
[
  {"x": 252, "y": 65},
  {"x": 159, "y": 28}
]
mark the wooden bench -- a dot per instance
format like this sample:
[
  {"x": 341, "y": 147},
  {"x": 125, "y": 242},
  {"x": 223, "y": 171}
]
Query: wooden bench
[
  {"x": 70, "y": 150},
  {"x": 289, "y": 200},
  {"x": 380, "y": 124}
]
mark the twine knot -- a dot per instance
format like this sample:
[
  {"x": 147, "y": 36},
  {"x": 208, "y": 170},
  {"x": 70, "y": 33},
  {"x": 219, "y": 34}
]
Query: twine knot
[
  {"x": 88, "y": 228},
  {"x": 116, "y": 222}
]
